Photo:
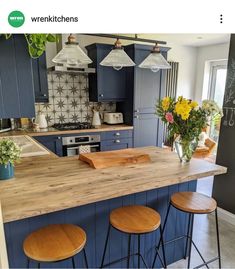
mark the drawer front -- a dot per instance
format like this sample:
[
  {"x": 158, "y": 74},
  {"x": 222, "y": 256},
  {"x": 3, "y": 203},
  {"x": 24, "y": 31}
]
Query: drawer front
[
  {"x": 112, "y": 135},
  {"x": 118, "y": 143}
]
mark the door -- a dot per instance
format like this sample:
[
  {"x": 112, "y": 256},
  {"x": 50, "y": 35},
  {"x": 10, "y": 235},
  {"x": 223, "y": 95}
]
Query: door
[{"x": 216, "y": 93}]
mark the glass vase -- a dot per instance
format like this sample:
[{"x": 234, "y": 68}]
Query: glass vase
[
  {"x": 185, "y": 149},
  {"x": 6, "y": 171}
]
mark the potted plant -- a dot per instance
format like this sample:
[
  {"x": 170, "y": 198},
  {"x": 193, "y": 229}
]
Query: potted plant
[
  {"x": 9, "y": 154},
  {"x": 185, "y": 121}
]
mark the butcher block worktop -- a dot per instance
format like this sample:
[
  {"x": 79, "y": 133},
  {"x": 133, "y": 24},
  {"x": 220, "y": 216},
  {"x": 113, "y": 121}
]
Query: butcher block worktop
[{"x": 47, "y": 183}]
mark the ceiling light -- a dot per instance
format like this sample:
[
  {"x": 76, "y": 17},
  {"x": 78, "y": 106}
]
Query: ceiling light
[
  {"x": 71, "y": 55},
  {"x": 155, "y": 60},
  {"x": 117, "y": 58}
]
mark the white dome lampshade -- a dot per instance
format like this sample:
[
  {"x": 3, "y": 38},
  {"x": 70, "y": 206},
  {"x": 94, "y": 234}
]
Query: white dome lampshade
[
  {"x": 117, "y": 58},
  {"x": 71, "y": 55},
  {"x": 155, "y": 60}
]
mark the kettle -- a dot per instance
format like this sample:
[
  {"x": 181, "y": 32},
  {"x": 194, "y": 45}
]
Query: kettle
[
  {"x": 41, "y": 121},
  {"x": 96, "y": 118}
]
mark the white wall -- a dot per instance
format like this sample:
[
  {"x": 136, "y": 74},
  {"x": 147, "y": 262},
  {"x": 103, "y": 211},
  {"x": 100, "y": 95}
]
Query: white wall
[
  {"x": 185, "y": 55},
  {"x": 204, "y": 55}
]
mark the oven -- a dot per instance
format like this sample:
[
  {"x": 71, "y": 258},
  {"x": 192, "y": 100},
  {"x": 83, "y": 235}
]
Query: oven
[{"x": 84, "y": 143}]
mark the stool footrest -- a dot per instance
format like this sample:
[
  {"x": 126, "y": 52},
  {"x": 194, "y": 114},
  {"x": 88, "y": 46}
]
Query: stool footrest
[{"x": 206, "y": 263}]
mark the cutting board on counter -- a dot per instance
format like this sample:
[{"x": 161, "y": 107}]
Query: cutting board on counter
[{"x": 121, "y": 157}]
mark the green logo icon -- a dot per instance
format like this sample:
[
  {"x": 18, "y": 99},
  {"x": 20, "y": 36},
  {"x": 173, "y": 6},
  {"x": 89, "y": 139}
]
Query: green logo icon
[{"x": 16, "y": 18}]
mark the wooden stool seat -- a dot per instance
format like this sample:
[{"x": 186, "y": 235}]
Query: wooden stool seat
[
  {"x": 193, "y": 202},
  {"x": 54, "y": 243},
  {"x": 135, "y": 219}
]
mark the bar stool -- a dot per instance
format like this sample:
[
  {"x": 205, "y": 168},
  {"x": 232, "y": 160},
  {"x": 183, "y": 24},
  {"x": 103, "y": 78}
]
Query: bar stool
[
  {"x": 55, "y": 243},
  {"x": 194, "y": 203},
  {"x": 134, "y": 220}
]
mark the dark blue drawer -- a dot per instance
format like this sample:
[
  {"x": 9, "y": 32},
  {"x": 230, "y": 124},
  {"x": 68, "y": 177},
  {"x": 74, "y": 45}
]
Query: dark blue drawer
[{"x": 116, "y": 134}]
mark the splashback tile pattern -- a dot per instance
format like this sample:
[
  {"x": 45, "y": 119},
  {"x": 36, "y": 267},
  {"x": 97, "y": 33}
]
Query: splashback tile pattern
[{"x": 69, "y": 100}]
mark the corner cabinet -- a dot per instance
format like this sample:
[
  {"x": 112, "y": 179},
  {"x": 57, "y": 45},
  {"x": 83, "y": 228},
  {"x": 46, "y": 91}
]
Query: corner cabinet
[
  {"x": 107, "y": 84},
  {"x": 16, "y": 79},
  {"x": 40, "y": 79}
]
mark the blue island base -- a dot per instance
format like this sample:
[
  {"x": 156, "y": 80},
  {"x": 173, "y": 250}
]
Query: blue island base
[{"x": 94, "y": 219}]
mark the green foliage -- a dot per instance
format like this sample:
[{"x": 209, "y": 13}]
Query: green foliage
[
  {"x": 37, "y": 43},
  {"x": 9, "y": 151}
]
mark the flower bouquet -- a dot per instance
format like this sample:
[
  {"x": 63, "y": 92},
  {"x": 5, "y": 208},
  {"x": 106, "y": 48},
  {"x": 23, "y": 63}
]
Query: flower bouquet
[{"x": 185, "y": 121}]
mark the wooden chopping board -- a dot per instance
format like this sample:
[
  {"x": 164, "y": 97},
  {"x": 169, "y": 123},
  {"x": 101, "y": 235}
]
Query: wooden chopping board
[{"x": 121, "y": 157}]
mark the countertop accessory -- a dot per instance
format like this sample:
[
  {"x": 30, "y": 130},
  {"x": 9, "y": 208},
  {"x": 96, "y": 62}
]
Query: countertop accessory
[
  {"x": 117, "y": 58},
  {"x": 96, "y": 121},
  {"x": 115, "y": 158},
  {"x": 5, "y": 125},
  {"x": 72, "y": 55},
  {"x": 155, "y": 61},
  {"x": 9, "y": 154},
  {"x": 41, "y": 121},
  {"x": 113, "y": 117}
]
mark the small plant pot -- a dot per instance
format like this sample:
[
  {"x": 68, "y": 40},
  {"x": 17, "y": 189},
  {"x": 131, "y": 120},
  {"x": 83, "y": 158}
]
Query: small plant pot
[{"x": 6, "y": 171}]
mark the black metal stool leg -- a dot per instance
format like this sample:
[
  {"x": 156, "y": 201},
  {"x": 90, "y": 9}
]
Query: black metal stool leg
[
  {"x": 73, "y": 263},
  {"x": 191, "y": 236},
  {"x": 163, "y": 229},
  {"x": 139, "y": 250},
  {"x": 163, "y": 247},
  {"x": 85, "y": 258},
  {"x": 217, "y": 233},
  {"x": 39, "y": 265},
  {"x": 129, "y": 251},
  {"x": 105, "y": 247},
  {"x": 187, "y": 239},
  {"x": 28, "y": 263}
]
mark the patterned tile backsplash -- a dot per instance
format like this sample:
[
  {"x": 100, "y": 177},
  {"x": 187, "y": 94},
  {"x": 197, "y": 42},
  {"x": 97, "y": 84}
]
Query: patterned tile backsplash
[{"x": 69, "y": 100}]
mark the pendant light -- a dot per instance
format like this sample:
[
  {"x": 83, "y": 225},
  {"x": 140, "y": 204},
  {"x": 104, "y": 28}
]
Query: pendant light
[
  {"x": 71, "y": 55},
  {"x": 117, "y": 58},
  {"x": 155, "y": 60}
]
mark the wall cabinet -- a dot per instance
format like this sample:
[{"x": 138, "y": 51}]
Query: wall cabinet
[
  {"x": 40, "y": 79},
  {"x": 16, "y": 79},
  {"x": 144, "y": 89},
  {"x": 107, "y": 84},
  {"x": 52, "y": 142}
]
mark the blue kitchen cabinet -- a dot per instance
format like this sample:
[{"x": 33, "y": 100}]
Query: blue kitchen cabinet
[
  {"x": 107, "y": 84},
  {"x": 51, "y": 142},
  {"x": 39, "y": 68},
  {"x": 144, "y": 89},
  {"x": 116, "y": 140},
  {"x": 16, "y": 79}
]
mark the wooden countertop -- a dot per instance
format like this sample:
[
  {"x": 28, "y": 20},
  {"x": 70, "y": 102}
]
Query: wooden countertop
[
  {"x": 53, "y": 131},
  {"x": 47, "y": 184}
]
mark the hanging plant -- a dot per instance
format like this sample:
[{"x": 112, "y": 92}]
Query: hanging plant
[{"x": 37, "y": 43}]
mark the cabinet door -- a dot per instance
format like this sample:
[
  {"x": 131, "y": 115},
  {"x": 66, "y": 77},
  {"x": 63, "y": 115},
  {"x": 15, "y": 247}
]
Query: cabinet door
[
  {"x": 115, "y": 144},
  {"x": 53, "y": 143},
  {"x": 146, "y": 130},
  {"x": 107, "y": 84},
  {"x": 16, "y": 79},
  {"x": 40, "y": 79}
]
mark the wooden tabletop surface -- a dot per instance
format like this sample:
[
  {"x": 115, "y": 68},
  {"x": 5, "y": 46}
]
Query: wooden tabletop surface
[{"x": 47, "y": 183}]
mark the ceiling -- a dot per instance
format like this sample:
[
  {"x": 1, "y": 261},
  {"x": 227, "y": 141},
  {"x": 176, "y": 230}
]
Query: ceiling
[{"x": 195, "y": 40}]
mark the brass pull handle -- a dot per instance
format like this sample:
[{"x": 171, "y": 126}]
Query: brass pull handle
[
  {"x": 117, "y": 141},
  {"x": 117, "y": 134}
]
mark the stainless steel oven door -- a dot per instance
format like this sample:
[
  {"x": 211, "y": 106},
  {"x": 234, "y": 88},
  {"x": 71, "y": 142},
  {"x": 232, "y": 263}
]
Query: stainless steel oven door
[{"x": 74, "y": 150}]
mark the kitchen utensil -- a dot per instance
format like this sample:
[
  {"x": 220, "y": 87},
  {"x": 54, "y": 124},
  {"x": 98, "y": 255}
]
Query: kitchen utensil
[
  {"x": 225, "y": 123},
  {"x": 121, "y": 157},
  {"x": 231, "y": 121},
  {"x": 41, "y": 121},
  {"x": 96, "y": 118},
  {"x": 113, "y": 118}
]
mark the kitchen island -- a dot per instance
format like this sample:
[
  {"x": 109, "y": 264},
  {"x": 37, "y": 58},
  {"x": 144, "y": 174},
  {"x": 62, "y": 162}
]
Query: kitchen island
[{"x": 49, "y": 189}]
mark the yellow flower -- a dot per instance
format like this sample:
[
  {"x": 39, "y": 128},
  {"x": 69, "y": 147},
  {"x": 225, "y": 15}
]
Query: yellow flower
[
  {"x": 165, "y": 103},
  {"x": 183, "y": 108},
  {"x": 193, "y": 104}
]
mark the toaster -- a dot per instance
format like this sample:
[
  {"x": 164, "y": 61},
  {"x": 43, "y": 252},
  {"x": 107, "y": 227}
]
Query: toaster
[{"x": 113, "y": 118}]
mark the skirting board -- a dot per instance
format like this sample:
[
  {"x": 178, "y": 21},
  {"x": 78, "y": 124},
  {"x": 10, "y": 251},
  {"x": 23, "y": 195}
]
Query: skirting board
[{"x": 226, "y": 215}]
